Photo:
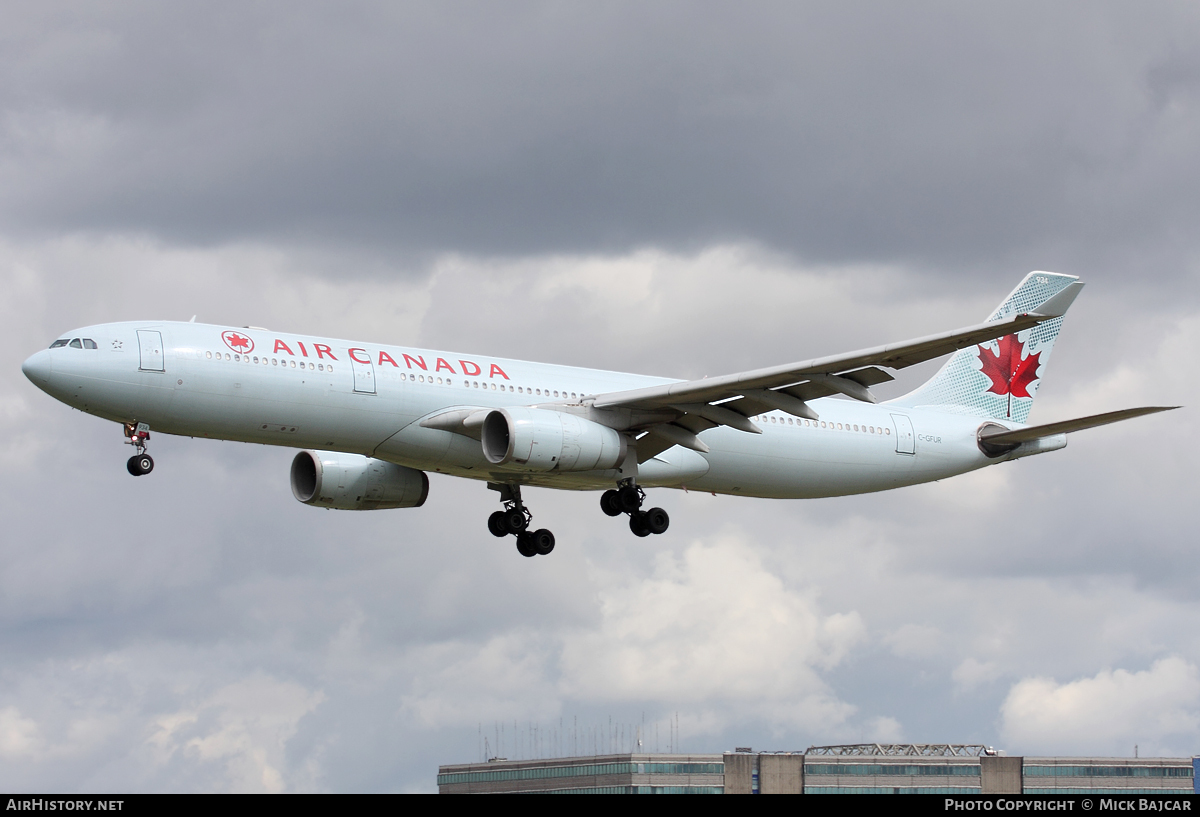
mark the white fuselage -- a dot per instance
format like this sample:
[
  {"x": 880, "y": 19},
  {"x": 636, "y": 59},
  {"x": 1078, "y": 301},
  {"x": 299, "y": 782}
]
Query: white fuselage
[{"x": 303, "y": 392}]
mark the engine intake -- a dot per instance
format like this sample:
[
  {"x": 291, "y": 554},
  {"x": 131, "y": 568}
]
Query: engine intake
[
  {"x": 352, "y": 482},
  {"x": 527, "y": 439}
]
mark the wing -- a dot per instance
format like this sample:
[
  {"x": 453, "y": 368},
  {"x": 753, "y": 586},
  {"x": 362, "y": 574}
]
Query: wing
[{"x": 676, "y": 412}]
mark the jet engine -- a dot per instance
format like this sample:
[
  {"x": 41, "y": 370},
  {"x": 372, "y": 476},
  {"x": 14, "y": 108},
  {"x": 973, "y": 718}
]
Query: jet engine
[
  {"x": 527, "y": 439},
  {"x": 351, "y": 482}
]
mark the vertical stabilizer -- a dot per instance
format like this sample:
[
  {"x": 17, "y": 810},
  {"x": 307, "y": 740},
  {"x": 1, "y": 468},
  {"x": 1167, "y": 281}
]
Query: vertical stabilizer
[{"x": 999, "y": 379}]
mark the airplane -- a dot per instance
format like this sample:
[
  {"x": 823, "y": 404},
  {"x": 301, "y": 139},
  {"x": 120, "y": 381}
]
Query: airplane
[{"x": 371, "y": 420}]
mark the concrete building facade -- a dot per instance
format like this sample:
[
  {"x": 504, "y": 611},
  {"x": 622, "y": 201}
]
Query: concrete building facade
[
  {"x": 955, "y": 769},
  {"x": 600, "y": 774}
]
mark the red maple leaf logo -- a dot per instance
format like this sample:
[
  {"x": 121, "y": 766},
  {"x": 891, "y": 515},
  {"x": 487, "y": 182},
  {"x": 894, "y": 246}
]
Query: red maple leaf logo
[
  {"x": 1009, "y": 373},
  {"x": 236, "y": 342}
]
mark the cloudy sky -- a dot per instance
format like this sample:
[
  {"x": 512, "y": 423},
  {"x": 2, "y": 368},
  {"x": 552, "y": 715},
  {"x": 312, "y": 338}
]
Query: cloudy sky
[{"x": 677, "y": 189}]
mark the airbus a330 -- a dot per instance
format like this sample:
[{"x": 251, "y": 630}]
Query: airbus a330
[{"x": 372, "y": 419}]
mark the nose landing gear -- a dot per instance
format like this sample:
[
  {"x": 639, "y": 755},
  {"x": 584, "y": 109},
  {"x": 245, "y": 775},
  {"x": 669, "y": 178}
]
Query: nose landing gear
[
  {"x": 140, "y": 463},
  {"x": 515, "y": 520},
  {"x": 628, "y": 498}
]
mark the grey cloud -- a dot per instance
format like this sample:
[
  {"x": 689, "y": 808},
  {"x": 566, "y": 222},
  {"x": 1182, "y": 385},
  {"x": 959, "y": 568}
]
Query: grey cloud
[{"x": 933, "y": 134}]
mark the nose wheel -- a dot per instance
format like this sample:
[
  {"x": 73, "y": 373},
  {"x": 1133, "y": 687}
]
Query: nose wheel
[
  {"x": 628, "y": 498},
  {"x": 140, "y": 464},
  {"x": 515, "y": 520},
  {"x": 137, "y": 435}
]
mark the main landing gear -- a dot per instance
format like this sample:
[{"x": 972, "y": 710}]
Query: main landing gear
[
  {"x": 140, "y": 463},
  {"x": 515, "y": 520},
  {"x": 628, "y": 498}
]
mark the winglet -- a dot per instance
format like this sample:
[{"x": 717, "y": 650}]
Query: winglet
[{"x": 1056, "y": 305}]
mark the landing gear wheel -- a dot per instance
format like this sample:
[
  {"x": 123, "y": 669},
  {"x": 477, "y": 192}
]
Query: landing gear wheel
[
  {"x": 543, "y": 541},
  {"x": 497, "y": 524},
  {"x": 629, "y": 499},
  {"x": 140, "y": 465},
  {"x": 610, "y": 504},
  {"x": 637, "y": 524},
  {"x": 514, "y": 521},
  {"x": 525, "y": 544},
  {"x": 656, "y": 520}
]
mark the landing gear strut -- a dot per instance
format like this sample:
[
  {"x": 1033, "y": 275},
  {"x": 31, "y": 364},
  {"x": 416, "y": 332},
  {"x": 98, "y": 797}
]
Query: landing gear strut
[
  {"x": 628, "y": 498},
  {"x": 515, "y": 520},
  {"x": 140, "y": 463}
]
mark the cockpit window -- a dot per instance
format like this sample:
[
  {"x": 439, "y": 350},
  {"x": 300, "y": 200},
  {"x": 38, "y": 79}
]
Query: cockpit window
[
  {"x": 88, "y": 343},
  {"x": 59, "y": 342},
  {"x": 75, "y": 344}
]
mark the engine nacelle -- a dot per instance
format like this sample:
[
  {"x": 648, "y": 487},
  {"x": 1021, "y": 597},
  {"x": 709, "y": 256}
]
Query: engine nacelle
[
  {"x": 526, "y": 439},
  {"x": 351, "y": 482}
]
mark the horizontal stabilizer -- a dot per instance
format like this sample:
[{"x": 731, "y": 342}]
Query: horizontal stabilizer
[{"x": 997, "y": 436}]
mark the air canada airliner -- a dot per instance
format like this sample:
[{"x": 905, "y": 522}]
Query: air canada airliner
[{"x": 371, "y": 419}]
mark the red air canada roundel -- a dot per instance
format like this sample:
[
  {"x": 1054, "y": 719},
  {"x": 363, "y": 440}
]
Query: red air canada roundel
[{"x": 238, "y": 342}]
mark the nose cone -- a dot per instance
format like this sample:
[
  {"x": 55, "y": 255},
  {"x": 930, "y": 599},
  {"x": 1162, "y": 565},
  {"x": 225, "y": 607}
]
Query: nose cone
[{"x": 37, "y": 368}]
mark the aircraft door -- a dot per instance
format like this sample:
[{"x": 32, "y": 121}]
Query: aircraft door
[
  {"x": 150, "y": 346},
  {"x": 906, "y": 442},
  {"x": 364, "y": 374}
]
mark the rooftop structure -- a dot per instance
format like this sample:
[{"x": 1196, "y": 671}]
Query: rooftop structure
[{"x": 902, "y": 750}]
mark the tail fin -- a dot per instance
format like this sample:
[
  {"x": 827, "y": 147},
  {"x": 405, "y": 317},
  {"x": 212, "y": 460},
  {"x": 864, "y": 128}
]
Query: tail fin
[{"x": 999, "y": 379}]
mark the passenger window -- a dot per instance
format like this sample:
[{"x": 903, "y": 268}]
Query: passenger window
[
  {"x": 88, "y": 343},
  {"x": 58, "y": 343},
  {"x": 75, "y": 344}
]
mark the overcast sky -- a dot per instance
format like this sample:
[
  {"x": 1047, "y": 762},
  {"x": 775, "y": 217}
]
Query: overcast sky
[{"x": 677, "y": 189}]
